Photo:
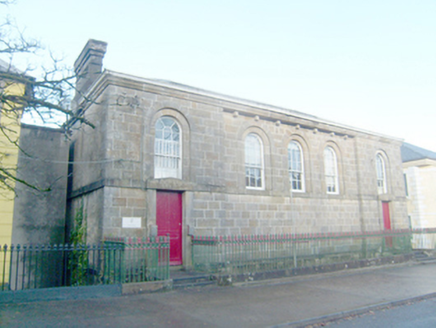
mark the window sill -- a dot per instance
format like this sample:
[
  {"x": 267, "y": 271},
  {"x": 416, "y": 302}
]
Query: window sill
[{"x": 254, "y": 188}]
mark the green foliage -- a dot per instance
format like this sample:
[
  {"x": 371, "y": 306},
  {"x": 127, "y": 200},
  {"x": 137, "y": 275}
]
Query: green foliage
[
  {"x": 78, "y": 233},
  {"x": 78, "y": 261}
]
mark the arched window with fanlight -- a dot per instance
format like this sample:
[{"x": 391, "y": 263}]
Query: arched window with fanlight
[
  {"x": 167, "y": 149},
  {"x": 253, "y": 162},
  {"x": 296, "y": 167},
  {"x": 381, "y": 174},
  {"x": 331, "y": 171}
]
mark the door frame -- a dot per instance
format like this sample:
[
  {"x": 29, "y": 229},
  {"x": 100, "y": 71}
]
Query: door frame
[{"x": 182, "y": 221}]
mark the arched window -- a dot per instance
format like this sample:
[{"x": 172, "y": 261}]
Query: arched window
[
  {"x": 167, "y": 149},
  {"x": 295, "y": 166},
  {"x": 331, "y": 171},
  {"x": 253, "y": 162},
  {"x": 381, "y": 174}
]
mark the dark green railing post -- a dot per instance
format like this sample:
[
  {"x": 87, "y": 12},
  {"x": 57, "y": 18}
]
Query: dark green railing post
[
  {"x": 4, "y": 250},
  {"x": 120, "y": 250},
  {"x": 294, "y": 248}
]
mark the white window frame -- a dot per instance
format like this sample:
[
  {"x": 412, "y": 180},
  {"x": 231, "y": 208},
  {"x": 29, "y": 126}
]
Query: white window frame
[
  {"x": 254, "y": 164},
  {"x": 168, "y": 152},
  {"x": 296, "y": 175},
  {"x": 331, "y": 171},
  {"x": 380, "y": 167}
]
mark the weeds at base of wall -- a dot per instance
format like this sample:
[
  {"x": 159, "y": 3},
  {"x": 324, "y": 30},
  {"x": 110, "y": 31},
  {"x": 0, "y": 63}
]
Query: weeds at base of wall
[{"x": 78, "y": 262}]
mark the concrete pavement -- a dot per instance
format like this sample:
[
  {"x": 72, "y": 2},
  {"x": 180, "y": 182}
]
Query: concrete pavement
[{"x": 276, "y": 303}]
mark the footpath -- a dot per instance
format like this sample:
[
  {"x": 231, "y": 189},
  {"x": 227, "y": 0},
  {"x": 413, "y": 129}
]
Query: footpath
[{"x": 291, "y": 302}]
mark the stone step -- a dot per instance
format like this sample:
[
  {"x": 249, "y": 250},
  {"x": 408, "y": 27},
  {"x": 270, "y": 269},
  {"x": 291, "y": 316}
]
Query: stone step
[
  {"x": 194, "y": 284},
  {"x": 192, "y": 281},
  {"x": 423, "y": 257}
]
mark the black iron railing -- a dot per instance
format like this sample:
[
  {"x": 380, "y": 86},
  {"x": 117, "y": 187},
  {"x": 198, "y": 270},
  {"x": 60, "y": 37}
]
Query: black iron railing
[
  {"x": 259, "y": 253},
  {"x": 114, "y": 261}
]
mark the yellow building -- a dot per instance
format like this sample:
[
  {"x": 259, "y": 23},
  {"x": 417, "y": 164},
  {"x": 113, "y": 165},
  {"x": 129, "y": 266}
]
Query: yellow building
[
  {"x": 419, "y": 167},
  {"x": 10, "y": 115}
]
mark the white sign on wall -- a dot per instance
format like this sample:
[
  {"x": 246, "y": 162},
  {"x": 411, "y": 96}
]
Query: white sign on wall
[{"x": 131, "y": 222}]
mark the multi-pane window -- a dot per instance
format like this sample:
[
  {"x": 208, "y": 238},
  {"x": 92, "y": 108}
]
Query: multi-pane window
[
  {"x": 167, "y": 149},
  {"x": 331, "y": 171},
  {"x": 381, "y": 174},
  {"x": 295, "y": 166},
  {"x": 253, "y": 162}
]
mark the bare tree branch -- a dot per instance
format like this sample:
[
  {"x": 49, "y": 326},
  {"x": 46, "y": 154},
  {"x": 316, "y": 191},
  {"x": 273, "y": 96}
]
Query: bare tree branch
[{"x": 45, "y": 96}]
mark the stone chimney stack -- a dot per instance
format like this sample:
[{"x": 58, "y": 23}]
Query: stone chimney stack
[{"x": 88, "y": 66}]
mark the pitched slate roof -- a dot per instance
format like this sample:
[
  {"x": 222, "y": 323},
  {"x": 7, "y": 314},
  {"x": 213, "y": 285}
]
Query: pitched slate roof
[
  {"x": 413, "y": 153},
  {"x": 5, "y": 67}
]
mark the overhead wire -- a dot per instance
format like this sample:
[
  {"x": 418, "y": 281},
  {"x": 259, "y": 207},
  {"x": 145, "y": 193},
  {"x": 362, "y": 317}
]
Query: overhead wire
[{"x": 74, "y": 162}]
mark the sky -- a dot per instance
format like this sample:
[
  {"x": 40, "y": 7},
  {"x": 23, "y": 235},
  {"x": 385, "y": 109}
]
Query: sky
[{"x": 370, "y": 64}]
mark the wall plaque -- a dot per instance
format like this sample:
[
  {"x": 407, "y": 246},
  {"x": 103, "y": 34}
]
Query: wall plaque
[{"x": 131, "y": 222}]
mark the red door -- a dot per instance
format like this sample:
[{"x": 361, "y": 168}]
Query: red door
[
  {"x": 387, "y": 222},
  {"x": 169, "y": 221}
]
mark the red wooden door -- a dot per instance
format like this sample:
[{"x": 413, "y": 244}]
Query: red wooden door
[
  {"x": 169, "y": 221},
  {"x": 386, "y": 216},
  {"x": 387, "y": 222}
]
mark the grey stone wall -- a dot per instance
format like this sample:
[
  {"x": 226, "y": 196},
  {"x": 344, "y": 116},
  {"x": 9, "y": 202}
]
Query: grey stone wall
[
  {"x": 39, "y": 214},
  {"x": 213, "y": 166}
]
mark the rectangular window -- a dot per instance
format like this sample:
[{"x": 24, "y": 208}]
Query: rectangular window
[
  {"x": 167, "y": 158},
  {"x": 331, "y": 184},
  {"x": 253, "y": 177},
  {"x": 405, "y": 184}
]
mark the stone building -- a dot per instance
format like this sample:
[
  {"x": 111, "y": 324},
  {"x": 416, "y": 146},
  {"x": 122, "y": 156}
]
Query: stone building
[
  {"x": 420, "y": 178},
  {"x": 168, "y": 158}
]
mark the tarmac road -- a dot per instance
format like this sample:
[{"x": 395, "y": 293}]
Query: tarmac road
[{"x": 420, "y": 314}]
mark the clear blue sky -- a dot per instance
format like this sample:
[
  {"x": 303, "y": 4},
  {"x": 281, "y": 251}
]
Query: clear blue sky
[{"x": 370, "y": 63}]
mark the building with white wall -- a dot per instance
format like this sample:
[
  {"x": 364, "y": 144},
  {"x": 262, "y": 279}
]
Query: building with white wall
[{"x": 419, "y": 167}]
